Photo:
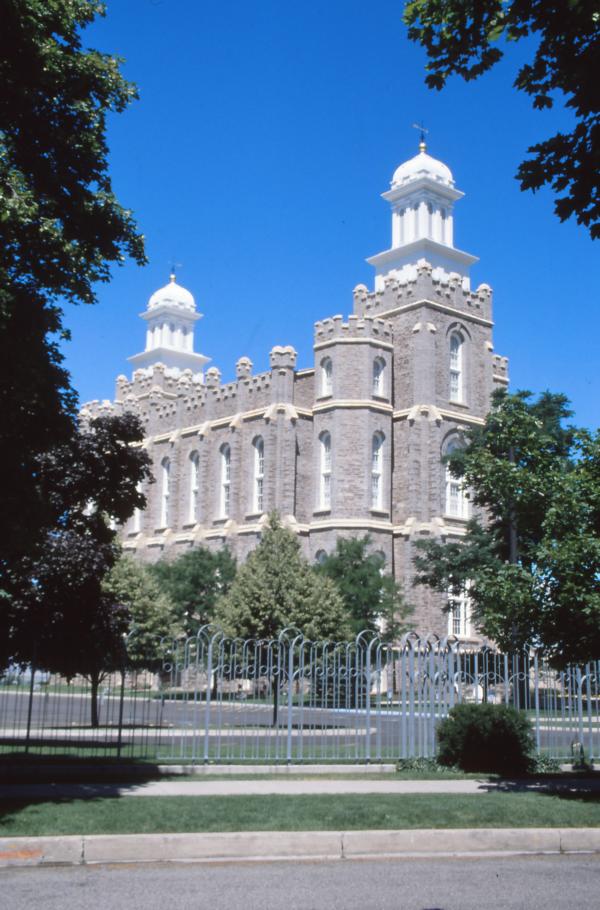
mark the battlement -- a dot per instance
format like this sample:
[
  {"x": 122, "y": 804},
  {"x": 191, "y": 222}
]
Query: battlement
[
  {"x": 500, "y": 367},
  {"x": 283, "y": 357},
  {"x": 368, "y": 327},
  {"x": 424, "y": 282}
]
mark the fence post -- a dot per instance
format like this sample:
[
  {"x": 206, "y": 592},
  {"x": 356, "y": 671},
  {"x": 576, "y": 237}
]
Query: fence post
[
  {"x": 121, "y": 702},
  {"x": 29, "y": 708}
]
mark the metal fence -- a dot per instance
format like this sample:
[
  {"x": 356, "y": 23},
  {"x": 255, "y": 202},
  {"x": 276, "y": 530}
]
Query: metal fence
[{"x": 213, "y": 698}]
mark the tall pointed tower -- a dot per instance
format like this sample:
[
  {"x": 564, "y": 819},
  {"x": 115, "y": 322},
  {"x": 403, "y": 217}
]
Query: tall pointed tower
[
  {"x": 422, "y": 197},
  {"x": 170, "y": 317}
]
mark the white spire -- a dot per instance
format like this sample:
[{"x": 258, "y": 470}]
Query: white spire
[
  {"x": 421, "y": 197},
  {"x": 170, "y": 316}
]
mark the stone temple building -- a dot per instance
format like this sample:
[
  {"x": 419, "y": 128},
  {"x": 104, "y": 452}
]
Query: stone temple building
[{"x": 347, "y": 446}]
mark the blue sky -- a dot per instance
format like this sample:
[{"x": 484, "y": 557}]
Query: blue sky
[{"x": 264, "y": 135}]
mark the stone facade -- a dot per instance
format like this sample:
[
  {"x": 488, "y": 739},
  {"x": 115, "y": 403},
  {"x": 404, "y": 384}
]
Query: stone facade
[{"x": 349, "y": 446}]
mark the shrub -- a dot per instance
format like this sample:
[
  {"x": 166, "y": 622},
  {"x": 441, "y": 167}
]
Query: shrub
[{"x": 494, "y": 739}]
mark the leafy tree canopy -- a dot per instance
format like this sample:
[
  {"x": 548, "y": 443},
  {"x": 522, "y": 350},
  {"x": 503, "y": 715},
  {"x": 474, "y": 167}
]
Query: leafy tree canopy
[
  {"x": 61, "y": 228},
  {"x": 193, "y": 582},
  {"x": 276, "y": 588},
  {"x": 463, "y": 37},
  {"x": 370, "y": 597},
  {"x": 532, "y": 560},
  {"x": 152, "y": 614}
]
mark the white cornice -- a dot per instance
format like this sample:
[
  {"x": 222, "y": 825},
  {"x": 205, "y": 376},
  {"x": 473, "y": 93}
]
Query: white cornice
[
  {"x": 441, "y": 307},
  {"x": 459, "y": 417},
  {"x": 336, "y": 339},
  {"x": 352, "y": 404}
]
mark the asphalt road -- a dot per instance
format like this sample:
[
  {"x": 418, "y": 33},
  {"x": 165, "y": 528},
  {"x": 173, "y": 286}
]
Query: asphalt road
[
  {"x": 245, "y": 728},
  {"x": 517, "y": 883}
]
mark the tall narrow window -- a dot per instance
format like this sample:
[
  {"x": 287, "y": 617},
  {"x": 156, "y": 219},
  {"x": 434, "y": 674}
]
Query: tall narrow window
[
  {"x": 258, "y": 503},
  {"x": 225, "y": 503},
  {"x": 457, "y": 503},
  {"x": 459, "y": 617},
  {"x": 379, "y": 376},
  {"x": 325, "y": 474},
  {"x": 165, "y": 491},
  {"x": 376, "y": 471},
  {"x": 456, "y": 367},
  {"x": 136, "y": 521},
  {"x": 326, "y": 376},
  {"x": 194, "y": 487}
]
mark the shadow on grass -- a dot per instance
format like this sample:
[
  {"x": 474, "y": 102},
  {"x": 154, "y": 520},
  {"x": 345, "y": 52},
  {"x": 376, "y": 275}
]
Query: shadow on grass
[
  {"x": 17, "y": 768},
  {"x": 584, "y": 786}
]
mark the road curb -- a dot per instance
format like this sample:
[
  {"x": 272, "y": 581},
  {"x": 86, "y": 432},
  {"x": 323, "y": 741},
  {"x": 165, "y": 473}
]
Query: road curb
[{"x": 268, "y": 846}]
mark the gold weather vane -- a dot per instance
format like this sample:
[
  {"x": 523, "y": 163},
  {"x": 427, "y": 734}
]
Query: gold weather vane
[{"x": 423, "y": 131}]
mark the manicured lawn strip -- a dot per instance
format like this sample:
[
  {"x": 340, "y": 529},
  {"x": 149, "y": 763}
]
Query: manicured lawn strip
[{"x": 294, "y": 813}]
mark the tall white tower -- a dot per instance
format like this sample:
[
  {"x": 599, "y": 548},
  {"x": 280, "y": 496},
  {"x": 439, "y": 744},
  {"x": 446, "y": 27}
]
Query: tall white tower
[
  {"x": 421, "y": 198},
  {"x": 170, "y": 316}
]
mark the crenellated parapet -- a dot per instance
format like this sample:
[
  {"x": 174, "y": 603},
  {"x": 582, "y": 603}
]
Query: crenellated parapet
[
  {"x": 424, "y": 282},
  {"x": 368, "y": 327},
  {"x": 500, "y": 368}
]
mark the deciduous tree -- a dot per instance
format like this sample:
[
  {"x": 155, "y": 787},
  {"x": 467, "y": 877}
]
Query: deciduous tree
[
  {"x": 193, "y": 582},
  {"x": 61, "y": 228},
  {"x": 465, "y": 37},
  {"x": 532, "y": 557}
]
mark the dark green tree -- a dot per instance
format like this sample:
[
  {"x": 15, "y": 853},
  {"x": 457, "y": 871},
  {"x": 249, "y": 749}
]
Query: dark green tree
[
  {"x": 61, "y": 228},
  {"x": 371, "y": 598},
  {"x": 193, "y": 582},
  {"x": 276, "y": 588},
  {"x": 54, "y": 612},
  {"x": 532, "y": 557},
  {"x": 464, "y": 37}
]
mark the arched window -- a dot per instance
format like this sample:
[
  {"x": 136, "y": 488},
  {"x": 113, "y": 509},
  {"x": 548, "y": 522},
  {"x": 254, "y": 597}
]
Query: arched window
[
  {"x": 136, "y": 521},
  {"x": 459, "y": 617},
  {"x": 320, "y": 557},
  {"x": 194, "y": 487},
  {"x": 377, "y": 471},
  {"x": 165, "y": 471},
  {"x": 326, "y": 376},
  {"x": 325, "y": 472},
  {"x": 225, "y": 502},
  {"x": 258, "y": 499},
  {"x": 456, "y": 501},
  {"x": 456, "y": 367},
  {"x": 379, "y": 376}
]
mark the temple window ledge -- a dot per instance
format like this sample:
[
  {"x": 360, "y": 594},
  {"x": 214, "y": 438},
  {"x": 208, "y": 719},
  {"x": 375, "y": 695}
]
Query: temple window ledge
[
  {"x": 161, "y": 530},
  {"x": 253, "y": 516},
  {"x": 322, "y": 512},
  {"x": 384, "y": 513},
  {"x": 219, "y": 522}
]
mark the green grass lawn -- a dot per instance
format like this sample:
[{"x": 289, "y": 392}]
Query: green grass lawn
[{"x": 295, "y": 813}]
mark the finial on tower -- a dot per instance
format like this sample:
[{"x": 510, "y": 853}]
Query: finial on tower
[
  {"x": 423, "y": 131},
  {"x": 174, "y": 266}
]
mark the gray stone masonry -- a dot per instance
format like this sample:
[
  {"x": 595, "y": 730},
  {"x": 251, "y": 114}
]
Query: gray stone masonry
[{"x": 407, "y": 328}]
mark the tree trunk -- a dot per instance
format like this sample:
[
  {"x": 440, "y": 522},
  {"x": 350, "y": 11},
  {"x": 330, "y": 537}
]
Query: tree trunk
[{"x": 95, "y": 682}]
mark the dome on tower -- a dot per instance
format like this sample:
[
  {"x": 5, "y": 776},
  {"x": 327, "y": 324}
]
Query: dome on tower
[
  {"x": 422, "y": 165},
  {"x": 172, "y": 295}
]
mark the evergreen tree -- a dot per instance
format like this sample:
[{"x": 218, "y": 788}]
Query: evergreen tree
[{"x": 276, "y": 588}]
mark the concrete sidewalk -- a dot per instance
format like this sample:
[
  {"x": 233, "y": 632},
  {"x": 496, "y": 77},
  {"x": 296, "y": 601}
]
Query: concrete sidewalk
[
  {"x": 268, "y": 846},
  {"x": 290, "y": 787}
]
